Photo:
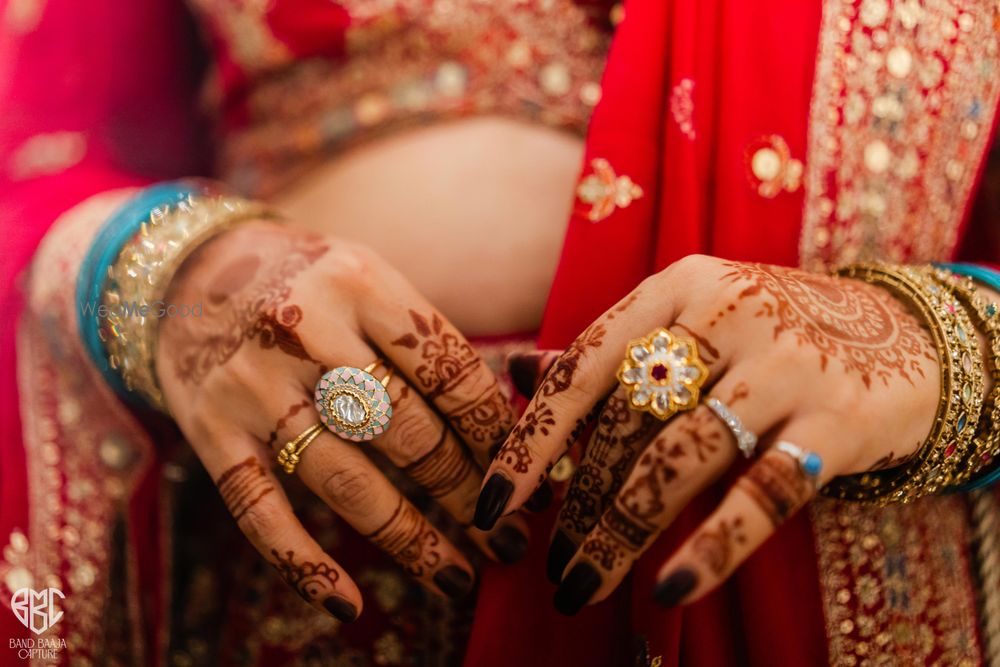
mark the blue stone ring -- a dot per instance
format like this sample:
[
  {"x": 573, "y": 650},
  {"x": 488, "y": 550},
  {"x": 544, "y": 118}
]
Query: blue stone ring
[{"x": 810, "y": 463}]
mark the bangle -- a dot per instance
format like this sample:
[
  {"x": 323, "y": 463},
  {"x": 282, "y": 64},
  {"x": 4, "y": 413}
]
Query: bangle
[
  {"x": 133, "y": 285},
  {"x": 934, "y": 464},
  {"x": 103, "y": 251},
  {"x": 987, "y": 315}
]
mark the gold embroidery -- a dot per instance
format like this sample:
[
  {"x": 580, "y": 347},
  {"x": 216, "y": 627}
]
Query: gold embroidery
[
  {"x": 15, "y": 570},
  {"x": 45, "y": 154},
  {"x": 896, "y": 583},
  {"x": 771, "y": 167},
  {"x": 67, "y": 412},
  {"x": 604, "y": 191},
  {"x": 985, "y": 519},
  {"x": 902, "y": 107},
  {"x": 682, "y": 107},
  {"x": 242, "y": 25},
  {"x": 414, "y": 61}
]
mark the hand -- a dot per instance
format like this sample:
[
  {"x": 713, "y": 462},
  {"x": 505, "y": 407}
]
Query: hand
[
  {"x": 835, "y": 366},
  {"x": 280, "y": 307}
]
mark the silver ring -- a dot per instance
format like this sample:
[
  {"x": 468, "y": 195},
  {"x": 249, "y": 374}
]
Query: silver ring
[
  {"x": 746, "y": 439},
  {"x": 810, "y": 463}
]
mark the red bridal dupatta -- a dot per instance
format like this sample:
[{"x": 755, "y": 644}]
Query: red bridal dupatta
[{"x": 794, "y": 133}]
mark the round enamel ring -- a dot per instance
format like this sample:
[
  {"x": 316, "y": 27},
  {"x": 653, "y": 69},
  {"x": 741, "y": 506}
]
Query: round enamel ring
[
  {"x": 662, "y": 374},
  {"x": 353, "y": 403}
]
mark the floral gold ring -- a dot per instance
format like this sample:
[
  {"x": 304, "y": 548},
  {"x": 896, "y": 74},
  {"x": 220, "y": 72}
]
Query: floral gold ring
[
  {"x": 662, "y": 374},
  {"x": 353, "y": 403}
]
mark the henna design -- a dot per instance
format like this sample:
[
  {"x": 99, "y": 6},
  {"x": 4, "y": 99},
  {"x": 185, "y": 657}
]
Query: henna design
[
  {"x": 890, "y": 460},
  {"x": 777, "y": 485},
  {"x": 608, "y": 458},
  {"x": 410, "y": 539},
  {"x": 441, "y": 470},
  {"x": 244, "y": 301},
  {"x": 617, "y": 540},
  {"x": 452, "y": 368},
  {"x": 863, "y": 327},
  {"x": 243, "y": 485},
  {"x": 515, "y": 452},
  {"x": 310, "y": 580},
  {"x": 709, "y": 352},
  {"x": 715, "y": 546},
  {"x": 293, "y": 410},
  {"x": 623, "y": 306},
  {"x": 539, "y": 416}
]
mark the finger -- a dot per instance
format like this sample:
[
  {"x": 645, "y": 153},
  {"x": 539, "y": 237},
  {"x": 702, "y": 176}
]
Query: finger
[
  {"x": 256, "y": 500},
  {"x": 688, "y": 454},
  {"x": 352, "y": 486},
  {"x": 770, "y": 492},
  {"x": 527, "y": 369},
  {"x": 579, "y": 378},
  {"x": 429, "y": 453},
  {"x": 620, "y": 433},
  {"x": 444, "y": 367}
]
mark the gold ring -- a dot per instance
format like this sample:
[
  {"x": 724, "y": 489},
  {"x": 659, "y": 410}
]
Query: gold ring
[
  {"x": 291, "y": 453},
  {"x": 353, "y": 403},
  {"x": 662, "y": 374}
]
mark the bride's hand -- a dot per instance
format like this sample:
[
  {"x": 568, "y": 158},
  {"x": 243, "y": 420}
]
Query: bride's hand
[
  {"x": 836, "y": 366},
  {"x": 279, "y": 308}
]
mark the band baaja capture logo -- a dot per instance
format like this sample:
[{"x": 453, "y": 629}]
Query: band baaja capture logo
[{"x": 38, "y": 611}]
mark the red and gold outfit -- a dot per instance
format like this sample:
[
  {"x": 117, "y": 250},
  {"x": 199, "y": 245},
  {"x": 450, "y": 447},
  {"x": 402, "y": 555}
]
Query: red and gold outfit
[{"x": 810, "y": 133}]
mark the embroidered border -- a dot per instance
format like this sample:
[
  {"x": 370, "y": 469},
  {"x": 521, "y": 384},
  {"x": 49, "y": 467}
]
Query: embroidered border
[
  {"x": 902, "y": 109},
  {"x": 896, "y": 582}
]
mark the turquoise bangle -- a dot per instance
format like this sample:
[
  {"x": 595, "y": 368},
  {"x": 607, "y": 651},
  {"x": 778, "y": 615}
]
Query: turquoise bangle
[
  {"x": 119, "y": 228},
  {"x": 991, "y": 279}
]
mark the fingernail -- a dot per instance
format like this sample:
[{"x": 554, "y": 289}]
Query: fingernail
[
  {"x": 576, "y": 589},
  {"x": 540, "y": 499},
  {"x": 492, "y": 501},
  {"x": 509, "y": 544},
  {"x": 340, "y": 609},
  {"x": 523, "y": 369},
  {"x": 671, "y": 590},
  {"x": 560, "y": 552},
  {"x": 453, "y": 581}
]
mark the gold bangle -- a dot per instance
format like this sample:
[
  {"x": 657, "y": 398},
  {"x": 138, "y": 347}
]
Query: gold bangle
[
  {"x": 986, "y": 442},
  {"x": 933, "y": 466},
  {"x": 291, "y": 453},
  {"x": 138, "y": 280}
]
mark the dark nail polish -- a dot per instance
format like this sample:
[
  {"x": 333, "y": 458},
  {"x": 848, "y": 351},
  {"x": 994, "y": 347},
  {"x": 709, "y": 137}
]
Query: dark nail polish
[
  {"x": 509, "y": 544},
  {"x": 492, "y": 501},
  {"x": 560, "y": 552},
  {"x": 340, "y": 609},
  {"x": 540, "y": 499},
  {"x": 576, "y": 589},
  {"x": 523, "y": 369},
  {"x": 671, "y": 590},
  {"x": 453, "y": 581}
]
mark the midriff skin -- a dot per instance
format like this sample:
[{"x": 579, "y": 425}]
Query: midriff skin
[{"x": 473, "y": 212}]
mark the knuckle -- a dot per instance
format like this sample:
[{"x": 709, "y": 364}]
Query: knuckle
[
  {"x": 351, "y": 486},
  {"x": 414, "y": 434},
  {"x": 351, "y": 264},
  {"x": 262, "y": 523},
  {"x": 689, "y": 265}
]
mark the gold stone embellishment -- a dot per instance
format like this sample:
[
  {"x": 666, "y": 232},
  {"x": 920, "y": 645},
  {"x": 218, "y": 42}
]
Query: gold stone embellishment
[
  {"x": 662, "y": 374},
  {"x": 604, "y": 191},
  {"x": 771, "y": 167}
]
